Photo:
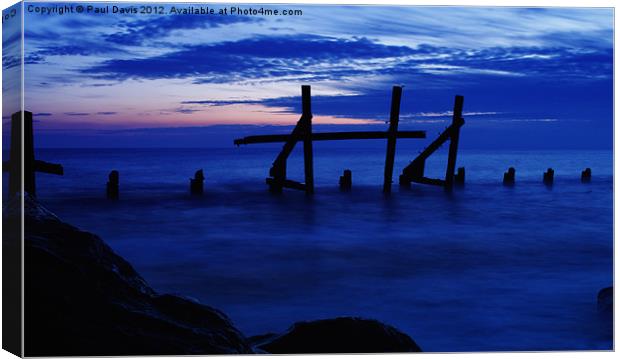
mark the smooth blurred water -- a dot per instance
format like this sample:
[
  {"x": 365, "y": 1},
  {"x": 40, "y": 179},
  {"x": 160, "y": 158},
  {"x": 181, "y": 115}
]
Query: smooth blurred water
[{"x": 484, "y": 268}]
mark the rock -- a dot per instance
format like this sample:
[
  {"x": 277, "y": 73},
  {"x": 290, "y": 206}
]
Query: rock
[
  {"x": 83, "y": 299},
  {"x": 605, "y": 301},
  {"x": 339, "y": 335}
]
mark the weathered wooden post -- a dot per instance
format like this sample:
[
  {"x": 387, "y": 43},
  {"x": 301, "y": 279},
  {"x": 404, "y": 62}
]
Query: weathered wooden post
[
  {"x": 307, "y": 134},
  {"x": 391, "y": 140},
  {"x": 586, "y": 175},
  {"x": 509, "y": 177},
  {"x": 346, "y": 180},
  {"x": 112, "y": 185},
  {"x": 457, "y": 116},
  {"x": 196, "y": 184},
  {"x": 30, "y": 164},
  {"x": 548, "y": 176},
  {"x": 459, "y": 178},
  {"x": 15, "y": 161}
]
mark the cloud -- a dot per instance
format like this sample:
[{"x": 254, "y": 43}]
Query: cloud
[
  {"x": 77, "y": 113},
  {"x": 107, "y": 113},
  {"x": 138, "y": 32},
  {"x": 317, "y": 58},
  {"x": 42, "y": 114}
]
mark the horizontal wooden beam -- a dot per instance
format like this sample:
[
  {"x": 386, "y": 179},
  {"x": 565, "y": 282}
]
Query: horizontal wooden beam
[
  {"x": 431, "y": 181},
  {"x": 39, "y": 166},
  {"x": 287, "y": 184},
  {"x": 331, "y": 136},
  {"x": 46, "y": 167}
]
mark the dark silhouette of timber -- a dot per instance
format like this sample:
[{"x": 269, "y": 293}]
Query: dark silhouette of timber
[
  {"x": 414, "y": 172},
  {"x": 390, "y": 152},
  {"x": 586, "y": 175},
  {"x": 330, "y": 136},
  {"x": 548, "y": 176},
  {"x": 112, "y": 185},
  {"x": 346, "y": 182},
  {"x": 30, "y": 164},
  {"x": 459, "y": 178},
  {"x": 509, "y": 177},
  {"x": 303, "y": 132},
  {"x": 196, "y": 184}
]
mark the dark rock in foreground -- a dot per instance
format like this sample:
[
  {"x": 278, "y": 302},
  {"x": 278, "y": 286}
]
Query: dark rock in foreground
[
  {"x": 340, "y": 335},
  {"x": 83, "y": 299}
]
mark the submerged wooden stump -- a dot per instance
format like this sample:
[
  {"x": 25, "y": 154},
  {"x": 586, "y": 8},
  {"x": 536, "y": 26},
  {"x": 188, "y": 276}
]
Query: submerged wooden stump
[
  {"x": 509, "y": 177},
  {"x": 586, "y": 175},
  {"x": 196, "y": 184},
  {"x": 112, "y": 185},
  {"x": 459, "y": 177},
  {"x": 345, "y": 180},
  {"x": 548, "y": 176}
]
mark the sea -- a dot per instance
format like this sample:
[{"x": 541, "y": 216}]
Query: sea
[{"x": 484, "y": 267}]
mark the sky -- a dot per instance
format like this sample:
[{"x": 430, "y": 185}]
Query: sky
[{"x": 531, "y": 77}]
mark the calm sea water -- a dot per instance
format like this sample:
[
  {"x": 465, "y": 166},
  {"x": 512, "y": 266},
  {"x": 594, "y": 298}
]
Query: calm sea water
[{"x": 484, "y": 268}]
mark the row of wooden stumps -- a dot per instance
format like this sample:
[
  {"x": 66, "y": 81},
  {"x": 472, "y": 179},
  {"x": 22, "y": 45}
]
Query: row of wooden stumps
[
  {"x": 509, "y": 176},
  {"x": 412, "y": 173},
  {"x": 196, "y": 184}
]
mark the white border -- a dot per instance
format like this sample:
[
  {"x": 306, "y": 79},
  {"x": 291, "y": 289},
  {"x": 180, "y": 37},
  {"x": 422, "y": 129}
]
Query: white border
[{"x": 507, "y": 3}]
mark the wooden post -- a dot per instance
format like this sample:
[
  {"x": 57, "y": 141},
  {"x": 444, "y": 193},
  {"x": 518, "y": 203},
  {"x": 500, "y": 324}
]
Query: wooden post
[
  {"x": 548, "y": 176},
  {"x": 459, "y": 178},
  {"x": 307, "y": 134},
  {"x": 457, "y": 116},
  {"x": 30, "y": 164},
  {"x": 112, "y": 185},
  {"x": 509, "y": 177},
  {"x": 391, "y": 142},
  {"x": 586, "y": 175},
  {"x": 15, "y": 162},
  {"x": 346, "y": 180},
  {"x": 196, "y": 184},
  {"x": 29, "y": 175}
]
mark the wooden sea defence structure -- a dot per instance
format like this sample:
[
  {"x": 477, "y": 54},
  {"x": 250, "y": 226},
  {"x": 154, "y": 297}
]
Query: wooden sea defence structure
[
  {"x": 303, "y": 132},
  {"x": 22, "y": 132},
  {"x": 21, "y": 124},
  {"x": 414, "y": 172}
]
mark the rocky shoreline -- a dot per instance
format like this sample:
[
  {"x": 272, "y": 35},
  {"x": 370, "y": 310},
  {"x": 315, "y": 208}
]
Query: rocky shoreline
[{"x": 83, "y": 299}]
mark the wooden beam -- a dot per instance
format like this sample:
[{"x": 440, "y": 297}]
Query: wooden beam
[
  {"x": 307, "y": 133},
  {"x": 457, "y": 117},
  {"x": 46, "y": 167},
  {"x": 330, "y": 136},
  {"x": 391, "y": 139},
  {"x": 286, "y": 183}
]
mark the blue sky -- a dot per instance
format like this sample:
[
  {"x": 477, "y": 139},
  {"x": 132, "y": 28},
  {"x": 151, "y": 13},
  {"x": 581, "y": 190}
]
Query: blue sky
[{"x": 532, "y": 78}]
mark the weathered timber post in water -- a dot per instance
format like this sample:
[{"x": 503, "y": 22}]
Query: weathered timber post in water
[
  {"x": 303, "y": 132},
  {"x": 509, "y": 177},
  {"x": 548, "y": 176},
  {"x": 196, "y": 184},
  {"x": 30, "y": 164},
  {"x": 414, "y": 172},
  {"x": 346, "y": 182},
  {"x": 391, "y": 140},
  {"x": 459, "y": 178},
  {"x": 586, "y": 175},
  {"x": 112, "y": 185}
]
